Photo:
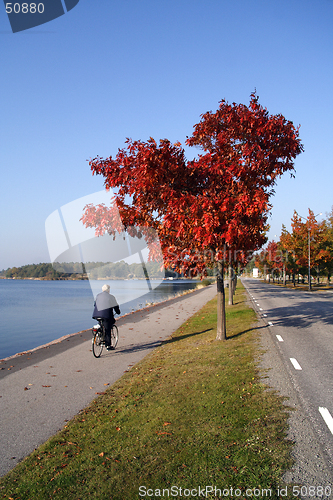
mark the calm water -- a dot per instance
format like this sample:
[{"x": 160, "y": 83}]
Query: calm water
[{"x": 34, "y": 313}]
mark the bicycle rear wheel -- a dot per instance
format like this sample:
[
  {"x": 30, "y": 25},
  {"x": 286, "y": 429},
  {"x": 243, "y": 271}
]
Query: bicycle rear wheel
[
  {"x": 114, "y": 336},
  {"x": 97, "y": 345}
]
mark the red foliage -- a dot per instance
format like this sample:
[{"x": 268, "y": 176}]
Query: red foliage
[{"x": 205, "y": 208}]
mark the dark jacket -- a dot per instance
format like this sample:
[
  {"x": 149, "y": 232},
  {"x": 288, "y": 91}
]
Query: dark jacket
[{"x": 104, "y": 305}]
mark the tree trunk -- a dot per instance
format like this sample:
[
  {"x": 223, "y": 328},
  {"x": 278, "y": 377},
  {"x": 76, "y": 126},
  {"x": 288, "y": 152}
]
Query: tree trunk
[
  {"x": 284, "y": 275},
  {"x": 221, "y": 333},
  {"x": 231, "y": 285}
]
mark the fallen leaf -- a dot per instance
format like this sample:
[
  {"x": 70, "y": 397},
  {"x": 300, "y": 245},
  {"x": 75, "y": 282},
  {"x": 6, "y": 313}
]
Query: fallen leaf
[
  {"x": 100, "y": 393},
  {"x": 167, "y": 423},
  {"x": 46, "y": 386},
  {"x": 101, "y": 454},
  {"x": 118, "y": 429},
  {"x": 26, "y": 389}
]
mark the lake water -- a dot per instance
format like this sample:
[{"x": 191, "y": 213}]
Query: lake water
[{"x": 34, "y": 312}]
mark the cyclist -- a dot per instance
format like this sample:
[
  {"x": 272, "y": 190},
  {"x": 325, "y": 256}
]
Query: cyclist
[{"x": 104, "y": 305}]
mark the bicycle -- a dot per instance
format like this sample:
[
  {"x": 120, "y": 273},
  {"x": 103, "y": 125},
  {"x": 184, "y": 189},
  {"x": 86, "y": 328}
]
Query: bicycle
[{"x": 98, "y": 340}]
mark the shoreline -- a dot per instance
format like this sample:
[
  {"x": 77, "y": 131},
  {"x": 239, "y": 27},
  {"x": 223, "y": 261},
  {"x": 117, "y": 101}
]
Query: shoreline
[
  {"x": 101, "y": 279},
  {"x": 124, "y": 317}
]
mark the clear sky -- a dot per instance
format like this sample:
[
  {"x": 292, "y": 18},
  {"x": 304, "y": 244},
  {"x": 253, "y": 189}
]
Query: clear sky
[{"x": 76, "y": 87}]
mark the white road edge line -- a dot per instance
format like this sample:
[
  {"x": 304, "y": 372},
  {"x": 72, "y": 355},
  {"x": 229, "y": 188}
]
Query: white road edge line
[
  {"x": 296, "y": 364},
  {"x": 327, "y": 417},
  {"x": 280, "y": 339}
]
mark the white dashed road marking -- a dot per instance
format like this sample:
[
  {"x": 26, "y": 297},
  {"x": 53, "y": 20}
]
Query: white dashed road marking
[
  {"x": 327, "y": 417},
  {"x": 280, "y": 339},
  {"x": 296, "y": 364}
]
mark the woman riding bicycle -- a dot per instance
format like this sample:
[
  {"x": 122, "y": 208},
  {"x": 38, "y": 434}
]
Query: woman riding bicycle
[{"x": 104, "y": 305}]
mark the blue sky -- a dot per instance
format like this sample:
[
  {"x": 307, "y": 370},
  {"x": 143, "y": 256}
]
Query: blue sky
[{"x": 76, "y": 87}]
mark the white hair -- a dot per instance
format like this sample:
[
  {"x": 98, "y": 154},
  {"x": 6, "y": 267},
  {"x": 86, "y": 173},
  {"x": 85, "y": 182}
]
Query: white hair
[{"x": 106, "y": 288}]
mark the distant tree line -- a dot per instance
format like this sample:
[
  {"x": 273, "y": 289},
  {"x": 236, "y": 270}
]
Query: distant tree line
[
  {"x": 41, "y": 271},
  {"x": 92, "y": 270},
  {"x": 288, "y": 258}
]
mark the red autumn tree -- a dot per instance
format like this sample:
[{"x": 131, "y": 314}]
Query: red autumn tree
[
  {"x": 207, "y": 210},
  {"x": 288, "y": 255},
  {"x": 298, "y": 241},
  {"x": 274, "y": 259},
  {"x": 327, "y": 245}
]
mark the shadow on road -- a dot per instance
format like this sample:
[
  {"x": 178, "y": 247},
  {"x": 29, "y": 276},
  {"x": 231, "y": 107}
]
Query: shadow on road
[{"x": 305, "y": 309}]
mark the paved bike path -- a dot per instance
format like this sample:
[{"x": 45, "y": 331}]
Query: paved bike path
[{"x": 41, "y": 390}]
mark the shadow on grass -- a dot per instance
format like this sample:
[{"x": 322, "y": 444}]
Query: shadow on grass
[
  {"x": 239, "y": 334},
  {"x": 182, "y": 337},
  {"x": 152, "y": 345}
]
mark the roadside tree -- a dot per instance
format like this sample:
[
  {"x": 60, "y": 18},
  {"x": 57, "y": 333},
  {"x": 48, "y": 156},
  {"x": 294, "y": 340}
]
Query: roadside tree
[{"x": 207, "y": 211}]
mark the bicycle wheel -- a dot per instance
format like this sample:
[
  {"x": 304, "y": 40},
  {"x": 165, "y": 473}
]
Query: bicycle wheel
[
  {"x": 114, "y": 336},
  {"x": 97, "y": 345}
]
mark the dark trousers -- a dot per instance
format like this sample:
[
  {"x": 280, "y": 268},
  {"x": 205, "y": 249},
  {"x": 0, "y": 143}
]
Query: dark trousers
[{"x": 107, "y": 323}]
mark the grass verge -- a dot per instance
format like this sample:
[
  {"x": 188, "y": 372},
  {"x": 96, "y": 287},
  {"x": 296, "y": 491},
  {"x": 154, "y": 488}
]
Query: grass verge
[{"x": 192, "y": 414}]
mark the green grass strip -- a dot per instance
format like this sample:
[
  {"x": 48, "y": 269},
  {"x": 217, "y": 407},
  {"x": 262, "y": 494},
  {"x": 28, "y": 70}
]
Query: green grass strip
[{"x": 192, "y": 414}]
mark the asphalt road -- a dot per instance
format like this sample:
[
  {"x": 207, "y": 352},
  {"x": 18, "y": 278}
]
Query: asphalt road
[
  {"x": 41, "y": 390},
  {"x": 297, "y": 333}
]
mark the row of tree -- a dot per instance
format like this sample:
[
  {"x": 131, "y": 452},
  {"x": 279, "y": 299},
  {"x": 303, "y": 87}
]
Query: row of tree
[{"x": 288, "y": 258}]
